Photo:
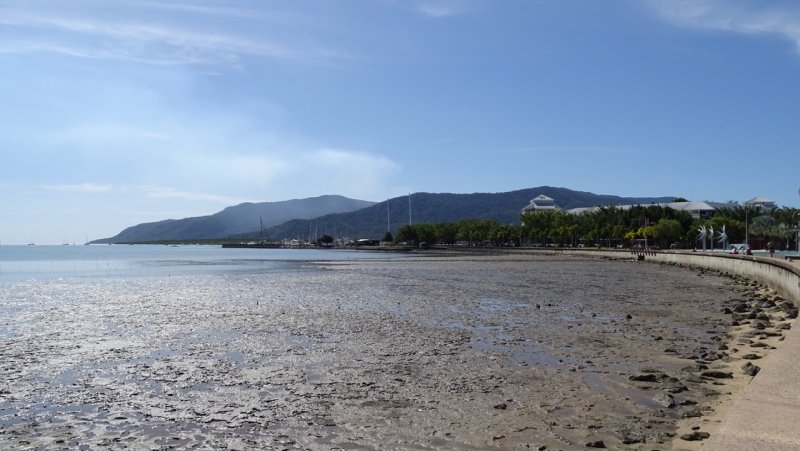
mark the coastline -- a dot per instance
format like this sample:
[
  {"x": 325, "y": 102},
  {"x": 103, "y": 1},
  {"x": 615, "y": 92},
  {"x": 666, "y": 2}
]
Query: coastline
[{"x": 468, "y": 351}]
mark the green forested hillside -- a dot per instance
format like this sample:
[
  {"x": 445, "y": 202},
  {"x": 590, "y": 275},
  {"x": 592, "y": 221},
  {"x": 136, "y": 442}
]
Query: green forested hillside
[
  {"x": 371, "y": 222},
  {"x": 242, "y": 218}
]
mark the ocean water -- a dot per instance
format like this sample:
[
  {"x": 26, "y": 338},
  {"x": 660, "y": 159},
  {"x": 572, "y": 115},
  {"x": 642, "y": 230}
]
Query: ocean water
[{"x": 27, "y": 263}]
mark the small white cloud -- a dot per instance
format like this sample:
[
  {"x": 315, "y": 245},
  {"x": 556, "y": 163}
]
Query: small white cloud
[
  {"x": 437, "y": 9},
  {"x": 743, "y": 16},
  {"x": 82, "y": 188}
]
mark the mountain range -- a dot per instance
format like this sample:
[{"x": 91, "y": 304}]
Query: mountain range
[
  {"x": 235, "y": 220},
  {"x": 339, "y": 216}
]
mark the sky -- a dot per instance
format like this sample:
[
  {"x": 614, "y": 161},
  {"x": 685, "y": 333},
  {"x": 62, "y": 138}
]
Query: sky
[{"x": 114, "y": 113}]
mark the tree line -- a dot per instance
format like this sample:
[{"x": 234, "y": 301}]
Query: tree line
[{"x": 611, "y": 227}]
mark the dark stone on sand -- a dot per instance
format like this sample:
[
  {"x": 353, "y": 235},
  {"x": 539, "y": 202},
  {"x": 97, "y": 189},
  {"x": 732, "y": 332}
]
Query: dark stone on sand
[
  {"x": 766, "y": 304},
  {"x": 644, "y": 378},
  {"x": 696, "y": 368},
  {"x": 501, "y": 406},
  {"x": 665, "y": 400},
  {"x": 712, "y": 356},
  {"x": 783, "y": 326},
  {"x": 626, "y": 317},
  {"x": 694, "y": 436},
  {"x": 751, "y": 357},
  {"x": 750, "y": 370},
  {"x": 692, "y": 412},
  {"x": 722, "y": 347},
  {"x": 791, "y": 314},
  {"x": 596, "y": 444},
  {"x": 741, "y": 308},
  {"x": 677, "y": 389},
  {"x": 717, "y": 374}
]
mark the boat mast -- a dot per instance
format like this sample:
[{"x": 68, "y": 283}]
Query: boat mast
[
  {"x": 261, "y": 220},
  {"x": 409, "y": 209}
]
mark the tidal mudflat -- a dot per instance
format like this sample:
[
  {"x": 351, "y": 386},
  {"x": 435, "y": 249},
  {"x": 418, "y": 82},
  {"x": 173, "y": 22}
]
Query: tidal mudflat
[{"x": 505, "y": 352}]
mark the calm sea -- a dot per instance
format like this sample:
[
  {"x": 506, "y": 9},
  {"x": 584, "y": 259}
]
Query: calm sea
[{"x": 19, "y": 263}]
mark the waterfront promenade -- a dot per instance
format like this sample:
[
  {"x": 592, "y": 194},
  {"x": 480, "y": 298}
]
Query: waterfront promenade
[{"x": 767, "y": 413}]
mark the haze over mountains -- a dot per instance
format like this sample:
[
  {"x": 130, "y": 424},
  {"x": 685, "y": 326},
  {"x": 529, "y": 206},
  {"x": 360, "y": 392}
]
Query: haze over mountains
[{"x": 339, "y": 216}]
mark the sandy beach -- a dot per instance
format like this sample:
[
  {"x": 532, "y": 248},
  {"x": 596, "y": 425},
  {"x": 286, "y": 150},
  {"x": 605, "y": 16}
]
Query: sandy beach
[{"x": 466, "y": 352}]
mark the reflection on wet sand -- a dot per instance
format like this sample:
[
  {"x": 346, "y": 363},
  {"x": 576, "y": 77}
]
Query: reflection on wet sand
[{"x": 446, "y": 353}]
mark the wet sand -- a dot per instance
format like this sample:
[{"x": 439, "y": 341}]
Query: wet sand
[{"x": 504, "y": 352}]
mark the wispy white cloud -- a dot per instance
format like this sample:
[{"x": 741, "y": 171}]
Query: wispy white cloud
[
  {"x": 238, "y": 12},
  {"x": 81, "y": 188},
  {"x": 166, "y": 192},
  {"x": 437, "y": 9},
  {"x": 154, "y": 43},
  {"x": 743, "y": 16}
]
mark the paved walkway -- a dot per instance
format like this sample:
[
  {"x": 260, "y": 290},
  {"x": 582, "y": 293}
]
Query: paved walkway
[{"x": 767, "y": 415}]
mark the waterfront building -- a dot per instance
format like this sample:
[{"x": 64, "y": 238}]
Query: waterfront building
[
  {"x": 761, "y": 202},
  {"x": 697, "y": 209},
  {"x": 541, "y": 203}
]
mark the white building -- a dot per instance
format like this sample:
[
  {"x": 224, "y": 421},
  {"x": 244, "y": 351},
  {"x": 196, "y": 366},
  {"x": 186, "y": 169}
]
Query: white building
[
  {"x": 541, "y": 203},
  {"x": 761, "y": 202},
  {"x": 697, "y": 209}
]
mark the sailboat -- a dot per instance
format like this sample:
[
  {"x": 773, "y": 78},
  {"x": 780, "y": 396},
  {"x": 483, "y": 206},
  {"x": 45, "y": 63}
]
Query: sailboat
[{"x": 262, "y": 243}]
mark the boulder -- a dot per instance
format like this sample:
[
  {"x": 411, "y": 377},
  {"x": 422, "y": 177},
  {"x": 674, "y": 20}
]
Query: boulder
[
  {"x": 717, "y": 374},
  {"x": 694, "y": 436},
  {"x": 644, "y": 378},
  {"x": 750, "y": 370},
  {"x": 665, "y": 400}
]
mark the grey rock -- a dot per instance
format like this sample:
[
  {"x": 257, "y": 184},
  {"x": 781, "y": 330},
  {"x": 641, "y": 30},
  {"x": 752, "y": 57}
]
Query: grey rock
[
  {"x": 665, "y": 400},
  {"x": 717, "y": 374},
  {"x": 694, "y": 436},
  {"x": 644, "y": 378}
]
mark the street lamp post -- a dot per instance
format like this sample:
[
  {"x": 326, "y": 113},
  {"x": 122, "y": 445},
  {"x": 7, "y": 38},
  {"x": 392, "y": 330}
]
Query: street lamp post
[
  {"x": 797, "y": 215},
  {"x": 746, "y": 229}
]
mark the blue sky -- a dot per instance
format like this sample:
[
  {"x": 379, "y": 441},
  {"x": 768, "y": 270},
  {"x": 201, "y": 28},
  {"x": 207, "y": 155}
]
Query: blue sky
[{"x": 127, "y": 111}]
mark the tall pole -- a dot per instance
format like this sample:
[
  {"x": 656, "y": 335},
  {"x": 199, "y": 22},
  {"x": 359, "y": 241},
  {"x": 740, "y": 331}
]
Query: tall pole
[
  {"x": 409, "y": 209},
  {"x": 798, "y": 230},
  {"x": 746, "y": 229},
  {"x": 388, "y": 222}
]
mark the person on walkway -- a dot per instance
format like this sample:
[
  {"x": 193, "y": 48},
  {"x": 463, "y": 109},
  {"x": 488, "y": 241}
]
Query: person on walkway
[{"x": 771, "y": 248}]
